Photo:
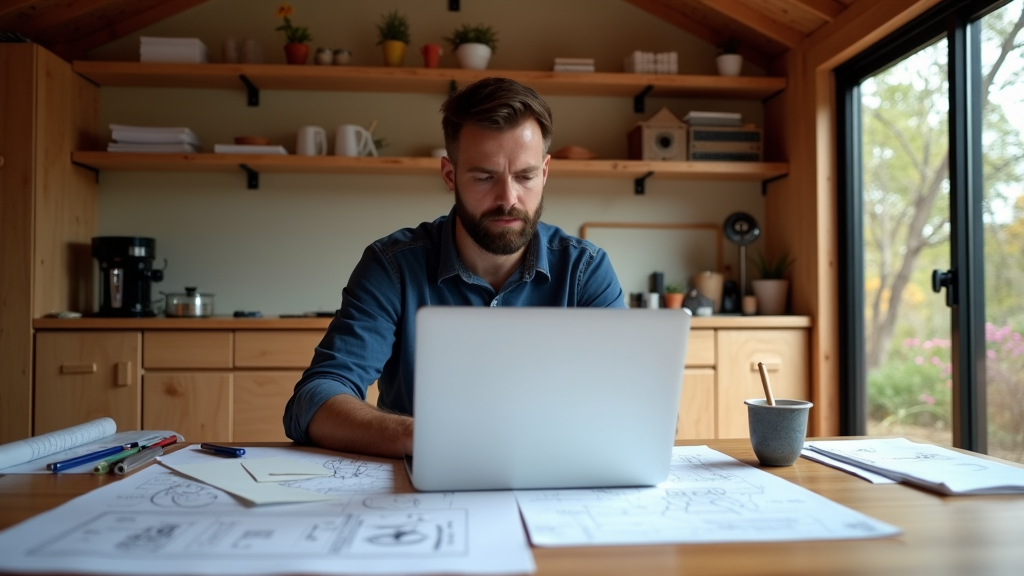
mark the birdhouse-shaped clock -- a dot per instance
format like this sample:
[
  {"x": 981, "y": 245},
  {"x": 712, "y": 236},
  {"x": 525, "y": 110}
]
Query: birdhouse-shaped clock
[{"x": 660, "y": 137}]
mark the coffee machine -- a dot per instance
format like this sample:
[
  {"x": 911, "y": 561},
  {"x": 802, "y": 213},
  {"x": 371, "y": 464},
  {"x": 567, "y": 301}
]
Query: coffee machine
[{"x": 126, "y": 274}]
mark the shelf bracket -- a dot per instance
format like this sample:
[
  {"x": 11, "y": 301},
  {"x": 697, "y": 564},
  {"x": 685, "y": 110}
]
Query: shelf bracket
[
  {"x": 453, "y": 87},
  {"x": 252, "y": 177},
  {"x": 765, "y": 183},
  {"x": 251, "y": 89},
  {"x": 453, "y": 5},
  {"x": 95, "y": 171},
  {"x": 638, "y": 100},
  {"x": 638, "y": 184}
]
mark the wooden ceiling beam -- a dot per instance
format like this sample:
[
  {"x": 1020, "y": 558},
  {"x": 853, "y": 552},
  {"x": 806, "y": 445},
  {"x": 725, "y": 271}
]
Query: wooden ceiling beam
[
  {"x": 11, "y": 8},
  {"x": 827, "y": 10},
  {"x": 759, "y": 21}
]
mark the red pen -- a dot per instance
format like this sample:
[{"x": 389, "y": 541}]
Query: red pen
[{"x": 163, "y": 443}]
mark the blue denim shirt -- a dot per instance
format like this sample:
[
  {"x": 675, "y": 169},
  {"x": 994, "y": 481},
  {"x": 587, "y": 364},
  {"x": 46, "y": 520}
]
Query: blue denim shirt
[{"x": 372, "y": 335}]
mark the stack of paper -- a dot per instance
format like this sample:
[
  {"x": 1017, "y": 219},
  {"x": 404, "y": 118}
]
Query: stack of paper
[
  {"x": 248, "y": 149},
  {"x": 186, "y": 50},
  {"x": 152, "y": 139},
  {"x": 925, "y": 465},
  {"x": 650, "y": 63},
  {"x": 698, "y": 118},
  {"x": 574, "y": 65}
]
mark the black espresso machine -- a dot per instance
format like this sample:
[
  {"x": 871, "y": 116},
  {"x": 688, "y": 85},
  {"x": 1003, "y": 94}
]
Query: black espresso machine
[{"x": 126, "y": 274}]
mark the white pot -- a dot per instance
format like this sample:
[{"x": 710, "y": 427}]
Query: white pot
[
  {"x": 729, "y": 64},
  {"x": 473, "y": 55},
  {"x": 771, "y": 296}
]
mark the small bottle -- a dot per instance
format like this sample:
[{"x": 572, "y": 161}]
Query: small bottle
[{"x": 324, "y": 56}]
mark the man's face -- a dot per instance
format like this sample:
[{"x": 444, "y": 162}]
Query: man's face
[{"x": 499, "y": 185}]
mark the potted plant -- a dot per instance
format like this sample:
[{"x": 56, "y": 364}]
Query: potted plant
[
  {"x": 393, "y": 37},
  {"x": 729, "y": 61},
  {"x": 473, "y": 45},
  {"x": 674, "y": 296},
  {"x": 295, "y": 51},
  {"x": 772, "y": 289}
]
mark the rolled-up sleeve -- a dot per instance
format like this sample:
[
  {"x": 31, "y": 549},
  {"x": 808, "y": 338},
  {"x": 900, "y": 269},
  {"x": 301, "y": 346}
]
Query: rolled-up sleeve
[
  {"x": 357, "y": 344},
  {"x": 598, "y": 285}
]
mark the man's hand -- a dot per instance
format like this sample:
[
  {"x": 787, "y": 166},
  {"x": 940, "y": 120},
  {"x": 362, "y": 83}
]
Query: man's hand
[{"x": 347, "y": 424}]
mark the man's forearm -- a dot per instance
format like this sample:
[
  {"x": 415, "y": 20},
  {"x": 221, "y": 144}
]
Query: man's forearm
[{"x": 347, "y": 424}]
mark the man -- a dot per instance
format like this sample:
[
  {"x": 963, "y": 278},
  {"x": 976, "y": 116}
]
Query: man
[{"x": 491, "y": 250}]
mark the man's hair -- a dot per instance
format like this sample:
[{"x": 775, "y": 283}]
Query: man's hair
[{"x": 496, "y": 104}]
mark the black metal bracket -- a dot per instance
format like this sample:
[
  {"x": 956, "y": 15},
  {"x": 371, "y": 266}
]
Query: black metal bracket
[
  {"x": 253, "y": 91},
  {"x": 453, "y": 5},
  {"x": 765, "y": 183},
  {"x": 95, "y": 171},
  {"x": 252, "y": 177},
  {"x": 638, "y": 100},
  {"x": 769, "y": 97},
  {"x": 638, "y": 184},
  {"x": 453, "y": 87}
]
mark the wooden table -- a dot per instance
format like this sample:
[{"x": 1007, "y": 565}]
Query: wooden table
[{"x": 963, "y": 535}]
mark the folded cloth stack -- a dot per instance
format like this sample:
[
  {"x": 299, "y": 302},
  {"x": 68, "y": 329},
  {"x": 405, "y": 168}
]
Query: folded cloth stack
[
  {"x": 152, "y": 139},
  {"x": 181, "y": 50}
]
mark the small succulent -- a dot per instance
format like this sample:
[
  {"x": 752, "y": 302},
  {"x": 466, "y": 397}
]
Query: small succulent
[
  {"x": 772, "y": 269},
  {"x": 480, "y": 34},
  {"x": 674, "y": 289},
  {"x": 393, "y": 26}
]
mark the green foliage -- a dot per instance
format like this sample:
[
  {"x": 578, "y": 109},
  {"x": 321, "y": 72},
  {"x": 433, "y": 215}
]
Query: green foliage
[
  {"x": 393, "y": 26},
  {"x": 769, "y": 269},
  {"x": 914, "y": 386},
  {"x": 675, "y": 289},
  {"x": 480, "y": 34}
]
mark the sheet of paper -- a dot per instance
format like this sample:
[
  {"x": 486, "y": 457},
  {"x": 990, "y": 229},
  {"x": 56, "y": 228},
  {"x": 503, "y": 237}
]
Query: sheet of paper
[
  {"x": 709, "y": 497},
  {"x": 230, "y": 476},
  {"x": 849, "y": 468},
  {"x": 38, "y": 466},
  {"x": 283, "y": 469},
  {"x": 157, "y": 522},
  {"x": 29, "y": 449},
  {"x": 927, "y": 465}
]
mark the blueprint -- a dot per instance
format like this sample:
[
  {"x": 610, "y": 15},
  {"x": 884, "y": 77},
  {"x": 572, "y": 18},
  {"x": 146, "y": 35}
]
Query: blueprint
[
  {"x": 708, "y": 497},
  {"x": 159, "y": 522}
]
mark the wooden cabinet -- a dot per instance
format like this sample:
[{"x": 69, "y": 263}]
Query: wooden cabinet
[
  {"x": 197, "y": 405},
  {"x": 258, "y": 406},
  {"x": 81, "y": 376}
]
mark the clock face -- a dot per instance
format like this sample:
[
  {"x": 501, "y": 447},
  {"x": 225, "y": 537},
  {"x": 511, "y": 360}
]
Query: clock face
[{"x": 741, "y": 228}]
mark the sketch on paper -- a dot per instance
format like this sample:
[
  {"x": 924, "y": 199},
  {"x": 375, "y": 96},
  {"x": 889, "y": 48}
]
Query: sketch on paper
[
  {"x": 350, "y": 475},
  {"x": 167, "y": 490},
  {"x": 709, "y": 497}
]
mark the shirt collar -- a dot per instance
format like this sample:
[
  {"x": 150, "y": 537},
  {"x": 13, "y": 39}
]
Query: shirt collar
[{"x": 449, "y": 263}]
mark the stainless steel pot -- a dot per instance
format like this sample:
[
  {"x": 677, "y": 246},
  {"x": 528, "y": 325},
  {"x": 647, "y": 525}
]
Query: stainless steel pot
[{"x": 191, "y": 304}]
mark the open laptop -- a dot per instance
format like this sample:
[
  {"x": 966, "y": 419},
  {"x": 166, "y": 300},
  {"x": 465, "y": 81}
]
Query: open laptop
[{"x": 515, "y": 398}]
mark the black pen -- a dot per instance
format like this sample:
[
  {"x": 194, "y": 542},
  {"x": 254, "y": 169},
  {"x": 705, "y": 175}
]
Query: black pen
[{"x": 223, "y": 450}]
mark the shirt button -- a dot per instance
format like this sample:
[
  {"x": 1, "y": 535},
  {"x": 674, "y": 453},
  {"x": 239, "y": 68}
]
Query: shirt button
[{"x": 494, "y": 303}]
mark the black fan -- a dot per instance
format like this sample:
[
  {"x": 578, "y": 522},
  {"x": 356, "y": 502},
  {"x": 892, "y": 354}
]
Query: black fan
[{"x": 740, "y": 228}]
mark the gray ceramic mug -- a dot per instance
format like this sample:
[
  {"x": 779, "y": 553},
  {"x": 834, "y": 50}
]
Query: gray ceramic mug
[{"x": 777, "y": 432}]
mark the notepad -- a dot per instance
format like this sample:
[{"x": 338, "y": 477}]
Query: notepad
[{"x": 231, "y": 477}]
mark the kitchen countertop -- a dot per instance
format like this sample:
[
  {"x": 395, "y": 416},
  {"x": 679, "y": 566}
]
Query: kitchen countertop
[{"x": 275, "y": 323}]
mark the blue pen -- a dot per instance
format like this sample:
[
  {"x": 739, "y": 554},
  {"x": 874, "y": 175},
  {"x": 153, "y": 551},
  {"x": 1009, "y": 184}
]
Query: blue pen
[
  {"x": 223, "y": 450},
  {"x": 84, "y": 459}
]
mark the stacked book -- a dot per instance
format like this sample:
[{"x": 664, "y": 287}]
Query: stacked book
[
  {"x": 152, "y": 139},
  {"x": 650, "y": 63},
  {"x": 699, "y": 118},
  {"x": 184, "y": 50},
  {"x": 248, "y": 149},
  {"x": 574, "y": 65}
]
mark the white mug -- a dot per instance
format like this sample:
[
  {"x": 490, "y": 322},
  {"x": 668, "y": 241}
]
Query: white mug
[
  {"x": 354, "y": 140},
  {"x": 312, "y": 141}
]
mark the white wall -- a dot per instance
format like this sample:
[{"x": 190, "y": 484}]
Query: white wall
[{"x": 289, "y": 246}]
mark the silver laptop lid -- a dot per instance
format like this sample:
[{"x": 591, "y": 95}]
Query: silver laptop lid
[{"x": 509, "y": 398}]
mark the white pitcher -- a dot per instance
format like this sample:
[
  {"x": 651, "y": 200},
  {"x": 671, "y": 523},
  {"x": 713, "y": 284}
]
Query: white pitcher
[{"x": 354, "y": 140}]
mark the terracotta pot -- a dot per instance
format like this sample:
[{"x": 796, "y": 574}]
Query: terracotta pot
[
  {"x": 394, "y": 52},
  {"x": 771, "y": 296},
  {"x": 674, "y": 299},
  {"x": 296, "y": 52}
]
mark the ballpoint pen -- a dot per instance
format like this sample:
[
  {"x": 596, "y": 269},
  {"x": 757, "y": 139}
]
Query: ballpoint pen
[
  {"x": 107, "y": 464},
  {"x": 84, "y": 459},
  {"x": 137, "y": 460},
  {"x": 223, "y": 450}
]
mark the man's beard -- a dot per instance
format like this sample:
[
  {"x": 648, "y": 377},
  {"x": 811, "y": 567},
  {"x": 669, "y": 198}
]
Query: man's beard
[{"x": 504, "y": 241}]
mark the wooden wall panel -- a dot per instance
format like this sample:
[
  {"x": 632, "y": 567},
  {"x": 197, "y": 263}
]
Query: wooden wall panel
[{"x": 17, "y": 110}]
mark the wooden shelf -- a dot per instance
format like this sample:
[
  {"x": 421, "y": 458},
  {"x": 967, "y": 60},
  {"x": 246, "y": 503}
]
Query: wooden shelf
[
  {"x": 426, "y": 80},
  {"x": 417, "y": 166}
]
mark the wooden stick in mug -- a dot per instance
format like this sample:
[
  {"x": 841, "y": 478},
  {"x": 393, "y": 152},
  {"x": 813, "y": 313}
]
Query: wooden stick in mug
[{"x": 766, "y": 384}]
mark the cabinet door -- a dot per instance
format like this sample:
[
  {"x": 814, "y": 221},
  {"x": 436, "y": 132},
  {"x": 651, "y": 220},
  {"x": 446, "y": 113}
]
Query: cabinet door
[
  {"x": 275, "y": 348},
  {"x": 84, "y": 375},
  {"x": 697, "y": 405},
  {"x": 196, "y": 405},
  {"x": 784, "y": 352},
  {"x": 260, "y": 397}
]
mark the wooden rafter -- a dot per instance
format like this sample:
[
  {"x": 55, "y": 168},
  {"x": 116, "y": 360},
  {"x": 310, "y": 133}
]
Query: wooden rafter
[
  {"x": 744, "y": 14},
  {"x": 827, "y": 10}
]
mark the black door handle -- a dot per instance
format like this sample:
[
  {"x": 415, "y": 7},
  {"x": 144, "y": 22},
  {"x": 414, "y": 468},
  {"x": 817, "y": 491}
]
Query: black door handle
[{"x": 947, "y": 279}]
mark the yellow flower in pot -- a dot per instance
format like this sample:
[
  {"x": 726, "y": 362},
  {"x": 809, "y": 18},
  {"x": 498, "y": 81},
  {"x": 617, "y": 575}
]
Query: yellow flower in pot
[
  {"x": 393, "y": 32},
  {"x": 295, "y": 51}
]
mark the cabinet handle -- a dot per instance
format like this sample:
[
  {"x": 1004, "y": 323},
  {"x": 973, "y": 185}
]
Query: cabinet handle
[
  {"x": 124, "y": 374},
  {"x": 770, "y": 365},
  {"x": 78, "y": 368}
]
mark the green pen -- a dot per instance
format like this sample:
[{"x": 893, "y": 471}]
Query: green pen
[{"x": 106, "y": 465}]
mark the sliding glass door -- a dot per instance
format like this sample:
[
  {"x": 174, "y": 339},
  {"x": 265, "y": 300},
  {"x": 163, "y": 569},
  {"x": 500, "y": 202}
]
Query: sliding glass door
[{"x": 932, "y": 230}]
